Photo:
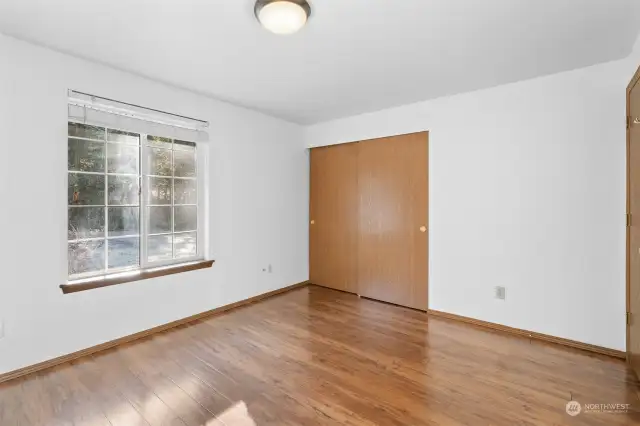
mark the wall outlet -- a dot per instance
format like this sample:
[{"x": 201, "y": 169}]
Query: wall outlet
[
  {"x": 1, "y": 328},
  {"x": 501, "y": 293}
]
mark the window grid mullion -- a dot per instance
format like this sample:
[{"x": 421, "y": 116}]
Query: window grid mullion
[
  {"x": 198, "y": 202},
  {"x": 144, "y": 190},
  {"x": 106, "y": 204},
  {"x": 173, "y": 196}
]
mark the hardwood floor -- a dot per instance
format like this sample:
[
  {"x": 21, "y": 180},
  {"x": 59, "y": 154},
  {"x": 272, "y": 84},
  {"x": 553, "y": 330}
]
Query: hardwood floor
[{"x": 319, "y": 356}]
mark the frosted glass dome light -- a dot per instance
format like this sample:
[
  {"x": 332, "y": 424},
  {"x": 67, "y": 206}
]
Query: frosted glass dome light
[{"x": 282, "y": 16}]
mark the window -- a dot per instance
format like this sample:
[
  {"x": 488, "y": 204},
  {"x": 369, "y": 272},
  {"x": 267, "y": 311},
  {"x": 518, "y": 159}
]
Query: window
[{"x": 132, "y": 201}]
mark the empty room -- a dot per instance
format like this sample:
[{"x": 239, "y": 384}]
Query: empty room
[{"x": 320, "y": 212}]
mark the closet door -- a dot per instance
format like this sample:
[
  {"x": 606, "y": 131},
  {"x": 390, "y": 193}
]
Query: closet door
[
  {"x": 393, "y": 237},
  {"x": 333, "y": 210}
]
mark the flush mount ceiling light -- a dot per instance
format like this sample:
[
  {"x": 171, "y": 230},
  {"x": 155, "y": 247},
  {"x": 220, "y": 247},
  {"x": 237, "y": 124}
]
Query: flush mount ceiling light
[{"x": 282, "y": 16}]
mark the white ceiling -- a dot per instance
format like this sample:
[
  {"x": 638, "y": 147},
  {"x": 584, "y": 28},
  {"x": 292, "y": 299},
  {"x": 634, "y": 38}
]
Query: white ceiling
[{"x": 353, "y": 56}]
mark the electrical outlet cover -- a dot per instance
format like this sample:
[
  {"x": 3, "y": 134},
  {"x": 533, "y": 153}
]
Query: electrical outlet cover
[{"x": 501, "y": 293}]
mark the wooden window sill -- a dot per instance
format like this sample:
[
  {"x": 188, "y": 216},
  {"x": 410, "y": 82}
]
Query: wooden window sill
[{"x": 107, "y": 280}]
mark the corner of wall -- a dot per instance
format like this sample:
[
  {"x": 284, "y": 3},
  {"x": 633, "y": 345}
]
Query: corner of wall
[{"x": 635, "y": 50}]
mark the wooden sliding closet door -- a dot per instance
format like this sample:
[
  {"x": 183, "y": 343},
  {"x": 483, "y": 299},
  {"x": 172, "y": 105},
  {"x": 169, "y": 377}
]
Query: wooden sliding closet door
[
  {"x": 392, "y": 245},
  {"x": 333, "y": 230}
]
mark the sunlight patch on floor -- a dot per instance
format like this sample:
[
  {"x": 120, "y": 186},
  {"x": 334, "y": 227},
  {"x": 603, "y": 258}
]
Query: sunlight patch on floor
[{"x": 236, "y": 415}]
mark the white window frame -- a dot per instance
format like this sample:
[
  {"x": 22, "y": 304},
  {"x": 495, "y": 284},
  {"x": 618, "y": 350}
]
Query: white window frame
[{"x": 144, "y": 264}]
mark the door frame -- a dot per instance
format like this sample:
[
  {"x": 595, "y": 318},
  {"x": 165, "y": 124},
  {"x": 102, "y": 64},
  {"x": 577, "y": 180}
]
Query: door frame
[{"x": 630, "y": 86}]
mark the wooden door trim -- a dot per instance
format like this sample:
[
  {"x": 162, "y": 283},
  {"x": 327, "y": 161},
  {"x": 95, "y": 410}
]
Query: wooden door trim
[{"x": 632, "y": 84}]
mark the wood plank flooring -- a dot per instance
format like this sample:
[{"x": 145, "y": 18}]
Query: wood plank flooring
[{"x": 316, "y": 356}]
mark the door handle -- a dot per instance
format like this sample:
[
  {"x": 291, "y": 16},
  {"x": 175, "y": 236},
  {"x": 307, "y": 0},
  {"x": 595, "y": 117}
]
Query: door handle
[
  {"x": 423, "y": 229},
  {"x": 636, "y": 120}
]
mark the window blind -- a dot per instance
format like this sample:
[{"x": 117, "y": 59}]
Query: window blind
[{"x": 89, "y": 109}]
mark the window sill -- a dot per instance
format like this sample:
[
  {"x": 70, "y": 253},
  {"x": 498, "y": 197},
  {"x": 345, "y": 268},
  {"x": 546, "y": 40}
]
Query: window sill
[{"x": 107, "y": 280}]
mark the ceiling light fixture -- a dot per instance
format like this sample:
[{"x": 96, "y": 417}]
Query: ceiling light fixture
[{"x": 282, "y": 16}]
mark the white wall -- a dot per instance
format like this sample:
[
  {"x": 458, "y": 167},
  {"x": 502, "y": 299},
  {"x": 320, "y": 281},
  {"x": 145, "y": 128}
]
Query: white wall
[
  {"x": 258, "y": 195},
  {"x": 527, "y": 191}
]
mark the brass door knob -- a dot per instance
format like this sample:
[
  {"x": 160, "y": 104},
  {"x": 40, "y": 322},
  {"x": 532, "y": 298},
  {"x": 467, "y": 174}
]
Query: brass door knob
[
  {"x": 423, "y": 229},
  {"x": 312, "y": 222}
]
